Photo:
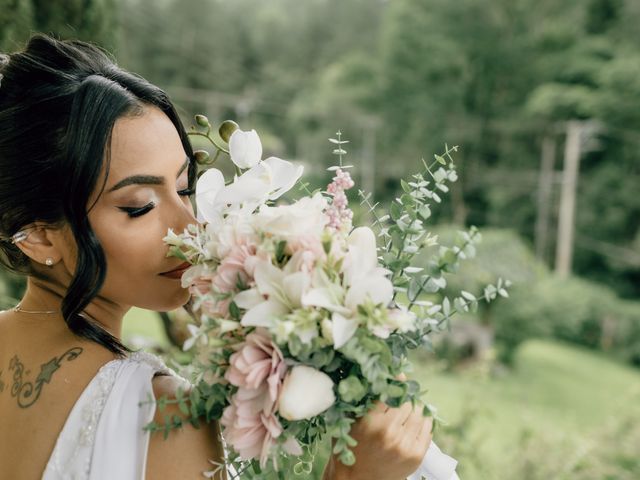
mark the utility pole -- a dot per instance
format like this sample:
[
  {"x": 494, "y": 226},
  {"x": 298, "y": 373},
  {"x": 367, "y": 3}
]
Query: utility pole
[
  {"x": 581, "y": 137},
  {"x": 566, "y": 220},
  {"x": 545, "y": 190}
]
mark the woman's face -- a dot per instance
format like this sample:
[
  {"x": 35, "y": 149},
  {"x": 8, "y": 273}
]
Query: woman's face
[{"x": 146, "y": 193}]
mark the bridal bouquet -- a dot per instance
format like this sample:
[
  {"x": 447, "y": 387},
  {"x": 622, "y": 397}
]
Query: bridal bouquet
[{"x": 301, "y": 319}]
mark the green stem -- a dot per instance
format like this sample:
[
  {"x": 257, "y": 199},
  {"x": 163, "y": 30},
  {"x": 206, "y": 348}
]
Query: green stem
[
  {"x": 208, "y": 137},
  {"x": 423, "y": 284}
]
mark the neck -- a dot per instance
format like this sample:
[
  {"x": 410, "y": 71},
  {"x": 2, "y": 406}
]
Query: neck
[{"x": 45, "y": 295}]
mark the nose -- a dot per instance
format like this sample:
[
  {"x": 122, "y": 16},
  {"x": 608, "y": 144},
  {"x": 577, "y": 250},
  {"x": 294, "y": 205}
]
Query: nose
[{"x": 183, "y": 216}]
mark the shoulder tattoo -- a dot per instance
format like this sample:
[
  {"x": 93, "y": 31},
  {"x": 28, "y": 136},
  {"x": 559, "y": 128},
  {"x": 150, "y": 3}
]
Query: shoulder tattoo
[{"x": 27, "y": 392}]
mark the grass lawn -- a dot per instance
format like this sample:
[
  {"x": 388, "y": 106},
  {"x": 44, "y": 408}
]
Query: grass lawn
[
  {"x": 144, "y": 323},
  {"x": 559, "y": 397}
]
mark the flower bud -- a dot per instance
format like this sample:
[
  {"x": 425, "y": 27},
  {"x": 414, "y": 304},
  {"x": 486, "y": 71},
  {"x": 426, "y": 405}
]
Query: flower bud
[
  {"x": 202, "y": 157},
  {"x": 202, "y": 121},
  {"x": 226, "y": 129},
  {"x": 306, "y": 392}
]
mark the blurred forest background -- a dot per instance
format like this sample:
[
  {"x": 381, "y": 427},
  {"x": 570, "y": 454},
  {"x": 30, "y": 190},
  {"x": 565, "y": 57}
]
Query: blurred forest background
[{"x": 543, "y": 98}]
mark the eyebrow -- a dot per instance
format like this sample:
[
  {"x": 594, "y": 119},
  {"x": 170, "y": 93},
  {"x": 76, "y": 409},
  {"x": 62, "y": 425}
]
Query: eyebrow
[{"x": 145, "y": 179}]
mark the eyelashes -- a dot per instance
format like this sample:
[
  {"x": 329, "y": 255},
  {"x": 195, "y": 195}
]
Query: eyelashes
[{"x": 138, "y": 212}]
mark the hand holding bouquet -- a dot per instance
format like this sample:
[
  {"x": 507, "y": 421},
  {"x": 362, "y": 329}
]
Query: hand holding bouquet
[{"x": 303, "y": 323}]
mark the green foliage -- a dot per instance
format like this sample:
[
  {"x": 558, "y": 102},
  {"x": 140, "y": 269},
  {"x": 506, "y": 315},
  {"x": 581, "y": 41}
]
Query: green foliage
[
  {"x": 89, "y": 20},
  {"x": 573, "y": 310},
  {"x": 400, "y": 77},
  {"x": 502, "y": 253},
  {"x": 11, "y": 288},
  {"x": 16, "y": 17}
]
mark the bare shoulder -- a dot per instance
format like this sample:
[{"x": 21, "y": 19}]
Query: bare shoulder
[{"x": 186, "y": 452}]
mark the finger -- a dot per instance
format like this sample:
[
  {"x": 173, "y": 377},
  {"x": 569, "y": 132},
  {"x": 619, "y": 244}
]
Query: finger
[
  {"x": 404, "y": 413},
  {"x": 425, "y": 434},
  {"x": 379, "y": 408},
  {"x": 413, "y": 424}
]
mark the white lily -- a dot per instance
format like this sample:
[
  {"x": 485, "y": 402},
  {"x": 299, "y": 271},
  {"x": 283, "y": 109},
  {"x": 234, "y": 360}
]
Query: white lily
[
  {"x": 283, "y": 290},
  {"x": 363, "y": 280},
  {"x": 245, "y": 148},
  {"x": 361, "y": 260}
]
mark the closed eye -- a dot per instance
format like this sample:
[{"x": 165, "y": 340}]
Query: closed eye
[{"x": 137, "y": 212}]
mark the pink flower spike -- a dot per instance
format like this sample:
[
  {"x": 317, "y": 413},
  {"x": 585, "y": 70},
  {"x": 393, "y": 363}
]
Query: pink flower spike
[{"x": 338, "y": 213}]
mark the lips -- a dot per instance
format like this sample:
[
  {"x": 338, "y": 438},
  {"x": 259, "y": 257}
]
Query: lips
[{"x": 177, "y": 272}]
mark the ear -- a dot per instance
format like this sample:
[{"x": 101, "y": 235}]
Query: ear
[{"x": 42, "y": 244}]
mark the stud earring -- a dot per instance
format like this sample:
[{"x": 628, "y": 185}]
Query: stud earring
[{"x": 49, "y": 262}]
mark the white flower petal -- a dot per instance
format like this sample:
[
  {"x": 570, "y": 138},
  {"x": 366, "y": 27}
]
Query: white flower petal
[
  {"x": 284, "y": 176},
  {"x": 191, "y": 274},
  {"x": 245, "y": 148},
  {"x": 295, "y": 285},
  {"x": 381, "y": 332},
  {"x": 342, "y": 329},
  {"x": 322, "y": 297},
  {"x": 188, "y": 344},
  {"x": 248, "y": 298},
  {"x": 362, "y": 257},
  {"x": 208, "y": 187},
  {"x": 262, "y": 315},
  {"x": 246, "y": 189},
  {"x": 228, "y": 325},
  {"x": 378, "y": 289},
  {"x": 268, "y": 279}
]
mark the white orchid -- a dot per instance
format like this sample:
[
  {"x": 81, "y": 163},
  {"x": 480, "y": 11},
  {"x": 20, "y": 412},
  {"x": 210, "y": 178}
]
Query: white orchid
[
  {"x": 363, "y": 281},
  {"x": 268, "y": 180},
  {"x": 264, "y": 180},
  {"x": 208, "y": 188}
]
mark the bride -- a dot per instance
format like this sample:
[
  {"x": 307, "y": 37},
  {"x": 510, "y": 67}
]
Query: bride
[{"x": 95, "y": 167}]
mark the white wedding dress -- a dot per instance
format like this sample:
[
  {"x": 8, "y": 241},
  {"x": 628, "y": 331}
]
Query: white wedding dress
[{"x": 103, "y": 437}]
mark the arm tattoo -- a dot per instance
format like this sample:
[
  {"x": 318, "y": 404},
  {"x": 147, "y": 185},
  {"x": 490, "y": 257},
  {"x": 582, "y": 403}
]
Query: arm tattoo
[
  {"x": 1, "y": 383},
  {"x": 25, "y": 391}
]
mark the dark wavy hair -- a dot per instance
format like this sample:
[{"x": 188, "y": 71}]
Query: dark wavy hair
[{"x": 59, "y": 101}]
